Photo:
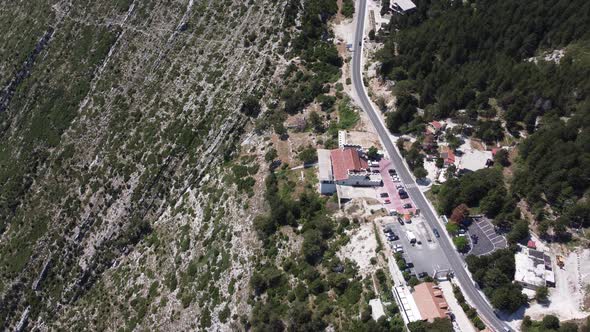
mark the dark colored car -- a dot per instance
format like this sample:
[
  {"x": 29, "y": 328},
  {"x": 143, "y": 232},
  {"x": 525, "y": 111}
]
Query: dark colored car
[
  {"x": 391, "y": 171},
  {"x": 422, "y": 274},
  {"x": 436, "y": 233},
  {"x": 401, "y": 221},
  {"x": 384, "y": 195},
  {"x": 402, "y": 194},
  {"x": 407, "y": 206}
]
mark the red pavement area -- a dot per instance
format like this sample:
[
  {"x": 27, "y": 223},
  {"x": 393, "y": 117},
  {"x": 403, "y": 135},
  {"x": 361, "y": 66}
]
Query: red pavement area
[{"x": 389, "y": 186}]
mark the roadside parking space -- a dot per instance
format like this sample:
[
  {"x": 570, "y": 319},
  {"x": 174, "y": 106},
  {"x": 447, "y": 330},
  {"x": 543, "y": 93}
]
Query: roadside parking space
[{"x": 391, "y": 187}]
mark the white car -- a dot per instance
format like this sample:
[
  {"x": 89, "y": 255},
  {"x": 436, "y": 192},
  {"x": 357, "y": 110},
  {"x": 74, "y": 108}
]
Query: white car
[{"x": 398, "y": 248}]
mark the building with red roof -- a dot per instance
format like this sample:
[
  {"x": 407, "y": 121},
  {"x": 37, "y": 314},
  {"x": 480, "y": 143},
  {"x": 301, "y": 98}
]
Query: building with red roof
[
  {"x": 347, "y": 160},
  {"x": 448, "y": 155},
  {"x": 435, "y": 127},
  {"x": 430, "y": 301},
  {"x": 344, "y": 166}
]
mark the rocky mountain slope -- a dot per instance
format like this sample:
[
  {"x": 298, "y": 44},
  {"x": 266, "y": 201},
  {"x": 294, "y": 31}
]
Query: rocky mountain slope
[{"x": 117, "y": 122}]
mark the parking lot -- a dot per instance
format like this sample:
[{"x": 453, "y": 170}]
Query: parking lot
[
  {"x": 390, "y": 187},
  {"x": 425, "y": 254},
  {"x": 488, "y": 240}
]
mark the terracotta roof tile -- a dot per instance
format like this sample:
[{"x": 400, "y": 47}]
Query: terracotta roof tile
[{"x": 344, "y": 160}]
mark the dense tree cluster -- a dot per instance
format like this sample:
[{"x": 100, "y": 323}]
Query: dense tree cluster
[
  {"x": 251, "y": 106},
  {"x": 319, "y": 56},
  {"x": 494, "y": 274},
  {"x": 555, "y": 169},
  {"x": 459, "y": 54},
  {"x": 470, "y": 189},
  {"x": 438, "y": 325},
  {"x": 405, "y": 109},
  {"x": 484, "y": 189},
  {"x": 550, "y": 323}
]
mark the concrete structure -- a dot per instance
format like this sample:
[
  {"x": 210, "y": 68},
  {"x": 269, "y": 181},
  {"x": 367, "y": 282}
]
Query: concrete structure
[
  {"x": 430, "y": 301},
  {"x": 372, "y": 25},
  {"x": 343, "y": 141},
  {"x": 533, "y": 269},
  {"x": 376, "y": 309},
  {"x": 325, "y": 177},
  {"x": 407, "y": 306},
  {"x": 402, "y": 6}
]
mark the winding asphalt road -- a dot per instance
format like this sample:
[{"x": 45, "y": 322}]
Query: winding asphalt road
[{"x": 477, "y": 299}]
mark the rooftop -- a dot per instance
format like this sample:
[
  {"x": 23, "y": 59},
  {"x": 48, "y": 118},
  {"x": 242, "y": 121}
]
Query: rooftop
[
  {"x": 376, "y": 309},
  {"x": 430, "y": 301},
  {"x": 533, "y": 268},
  {"x": 436, "y": 124},
  {"x": 324, "y": 165},
  {"x": 405, "y": 5},
  {"x": 345, "y": 160}
]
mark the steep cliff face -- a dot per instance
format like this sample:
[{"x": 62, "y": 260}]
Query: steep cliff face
[{"x": 117, "y": 122}]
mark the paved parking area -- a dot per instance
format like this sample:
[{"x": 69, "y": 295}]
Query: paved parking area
[
  {"x": 488, "y": 240},
  {"x": 426, "y": 256},
  {"x": 389, "y": 186}
]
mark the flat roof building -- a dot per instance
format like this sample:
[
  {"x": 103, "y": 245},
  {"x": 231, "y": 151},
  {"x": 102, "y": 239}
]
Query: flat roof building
[
  {"x": 376, "y": 309},
  {"x": 325, "y": 176},
  {"x": 430, "y": 301},
  {"x": 533, "y": 269},
  {"x": 402, "y": 6}
]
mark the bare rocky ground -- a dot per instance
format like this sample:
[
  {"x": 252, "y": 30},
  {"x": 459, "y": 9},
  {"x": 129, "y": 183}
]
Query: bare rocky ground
[{"x": 141, "y": 228}]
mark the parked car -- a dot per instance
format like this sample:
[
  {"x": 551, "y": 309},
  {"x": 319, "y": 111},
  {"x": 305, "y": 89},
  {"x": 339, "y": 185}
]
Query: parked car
[
  {"x": 391, "y": 172},
  {"x": 407, "y": 206},
  {"x": 422, "y": 275},
  {"x": 462, "y": 231},
  {"x": 392, "y": 237},
  {"x": 436, "y": 233},
  {"x": 399, "y": 186},
  {"x": 398, "y": 248},
  {"x": 387, "y": 201},
  {"x": 384, "y": 195},
  {"x": 401, "y": 221}
]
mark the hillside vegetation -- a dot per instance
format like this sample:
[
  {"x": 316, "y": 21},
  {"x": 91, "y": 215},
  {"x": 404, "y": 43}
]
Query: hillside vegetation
[{"x": 124, "y": 202}]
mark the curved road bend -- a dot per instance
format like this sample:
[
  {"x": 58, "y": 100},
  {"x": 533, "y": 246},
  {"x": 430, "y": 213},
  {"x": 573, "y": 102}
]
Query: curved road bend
[{"x": 483, "y": 307}]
